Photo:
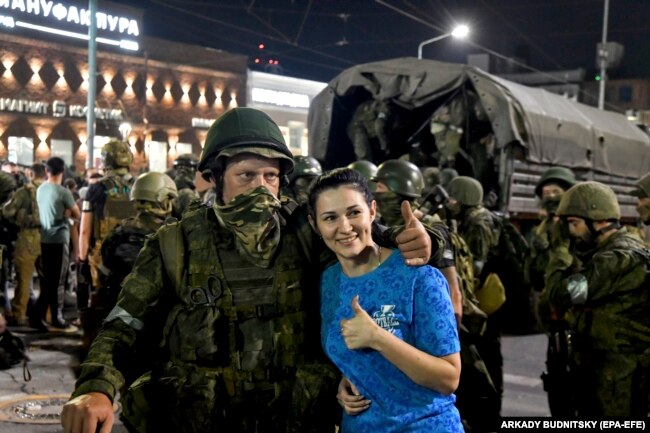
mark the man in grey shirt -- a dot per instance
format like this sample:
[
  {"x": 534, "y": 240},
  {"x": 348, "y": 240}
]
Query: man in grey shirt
[{"x": 56, "y": 205}]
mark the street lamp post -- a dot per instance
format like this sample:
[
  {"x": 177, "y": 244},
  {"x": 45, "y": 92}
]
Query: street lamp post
[{"x": 459, "y": 32}]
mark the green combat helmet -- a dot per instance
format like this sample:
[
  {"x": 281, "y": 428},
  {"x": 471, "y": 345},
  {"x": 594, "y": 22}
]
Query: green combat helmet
[
  {"x": 116, "y": 154},
  {"x": 560, "y": 175},
  {"x": 642, "y": 187},
  {"x": 466, "y": 190},
  {"x": 154, "y": 192},
  {"x": 590, "y": 200},
  {"x": 366, "y": 168},
  {"x": 305, "y": 166},
  {"x": 446, "y": 176},
  {"x": 243, "y": 130},
  {"x": 401, "y": 177}
]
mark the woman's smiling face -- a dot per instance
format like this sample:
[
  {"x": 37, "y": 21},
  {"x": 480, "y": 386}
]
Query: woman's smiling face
[{"x": 344, "y": 220}]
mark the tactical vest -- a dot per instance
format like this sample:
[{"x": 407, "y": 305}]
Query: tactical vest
[
  {"x": 243, "y": 323},
  {"x": 116, "y": 207}
]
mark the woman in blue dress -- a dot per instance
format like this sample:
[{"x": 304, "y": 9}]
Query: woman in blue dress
[{"x": 388, "y": 327}]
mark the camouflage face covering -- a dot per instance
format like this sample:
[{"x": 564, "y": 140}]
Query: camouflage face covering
[
  {"x": 389, "y": 205},
  {"x": 253, "y": 218}
]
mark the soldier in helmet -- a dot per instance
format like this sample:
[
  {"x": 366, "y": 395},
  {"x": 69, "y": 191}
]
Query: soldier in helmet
[
  {"x": 599, "y": 272},
  {"x": 106, "y": 204},
  {"x": 153, "y": 195},
  {"x": 306, "y": 169},
  {"x": 184, "y": 173},
  {"x": 232, "y": 290},
  {"x": 549, "y": 190},
  {"x": 480, "y": 230}
]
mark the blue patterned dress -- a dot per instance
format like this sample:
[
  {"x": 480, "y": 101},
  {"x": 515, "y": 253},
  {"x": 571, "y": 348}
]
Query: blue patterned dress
[{"x": 415, "y": 305}]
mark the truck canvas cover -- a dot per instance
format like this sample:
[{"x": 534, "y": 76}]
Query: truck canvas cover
[{"x": 550, "y": 128}]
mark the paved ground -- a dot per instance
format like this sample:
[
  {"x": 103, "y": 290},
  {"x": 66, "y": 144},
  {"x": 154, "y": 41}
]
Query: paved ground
[{"x": 53, "y": 359}]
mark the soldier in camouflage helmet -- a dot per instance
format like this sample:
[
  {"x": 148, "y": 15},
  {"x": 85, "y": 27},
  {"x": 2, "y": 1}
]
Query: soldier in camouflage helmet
[
  {"x": 230, "y": 293},
  {"x": 153, "y": 194},
  {"x": 106, "y": 203},
  {"x": 599, "y": 272},
  {"x": 549, "y": 190},
  {"x": 306, "y": 169}
]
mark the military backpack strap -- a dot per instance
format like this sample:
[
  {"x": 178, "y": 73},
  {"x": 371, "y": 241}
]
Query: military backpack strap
[{"x": 172, "y": 250}]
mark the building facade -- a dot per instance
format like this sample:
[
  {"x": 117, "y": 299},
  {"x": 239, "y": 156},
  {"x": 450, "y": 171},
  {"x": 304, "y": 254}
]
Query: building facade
[{"x": 158, "y": 95}]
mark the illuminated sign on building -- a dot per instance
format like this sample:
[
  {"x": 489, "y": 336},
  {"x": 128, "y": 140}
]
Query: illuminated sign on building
[
  {"x": 63, "y": 19},
  {"x": 276, "y": 97},
  {"x": 23, "y": 106},
  {"x": 59, "y": 109},
  {"x": 200, "y": 122}
]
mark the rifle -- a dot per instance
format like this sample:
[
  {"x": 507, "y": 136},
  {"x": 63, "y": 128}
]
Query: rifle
[{"x": 558, "y": 378}]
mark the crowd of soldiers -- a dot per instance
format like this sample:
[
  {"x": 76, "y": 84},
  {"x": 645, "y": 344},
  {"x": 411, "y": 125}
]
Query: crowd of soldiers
[{"x": 227, "y": 291}]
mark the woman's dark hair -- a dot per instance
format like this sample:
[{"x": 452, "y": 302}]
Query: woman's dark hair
[
  {"x": 335, "y": 178},
  {"x": 55, "y": 165}
]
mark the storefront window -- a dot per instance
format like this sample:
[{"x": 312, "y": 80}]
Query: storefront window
[
  {"x": 63, "y": 149},
  {"x": 182, "y": 148},
  {"x": 157, "y": 156},
  {"x": 21, "y": 150}
]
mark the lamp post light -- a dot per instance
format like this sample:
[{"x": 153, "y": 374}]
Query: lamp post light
[{"x": 459, "y": 32}]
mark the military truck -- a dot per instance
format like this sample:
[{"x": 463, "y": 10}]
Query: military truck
[{"x": 451, "y": 115}]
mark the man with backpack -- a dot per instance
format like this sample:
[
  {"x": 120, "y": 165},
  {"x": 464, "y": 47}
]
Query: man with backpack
[
  {"x": 153, "y": 195},
  {"x": 599, "y": 272},
  {"x": 106, "y": 204}
]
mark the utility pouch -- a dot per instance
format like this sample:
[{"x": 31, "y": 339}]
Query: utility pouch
[{"x": 492, "y": 294}]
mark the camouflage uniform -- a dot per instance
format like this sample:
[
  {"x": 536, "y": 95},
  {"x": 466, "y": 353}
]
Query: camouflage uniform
[
  {"x": 234, "y": 350},
  {"x": 7, "y": 187},
  {"x": 183, "y": 174},
  {"x": 153, "y": 194},
  {"x": 108, "y": 203},
  {"x": 540, "y": 237},
  {"x": 22, "y": 210},
  {"x": 605, "y": 287}
]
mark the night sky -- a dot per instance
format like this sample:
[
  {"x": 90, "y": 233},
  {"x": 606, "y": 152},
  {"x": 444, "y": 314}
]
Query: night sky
[{"x": 317, "y": 39}]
